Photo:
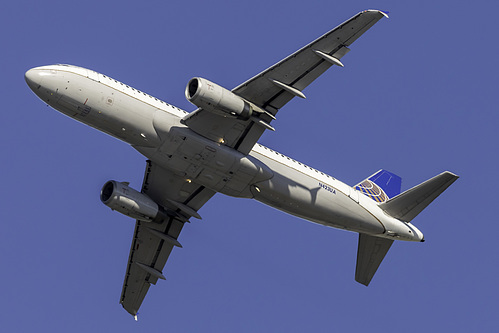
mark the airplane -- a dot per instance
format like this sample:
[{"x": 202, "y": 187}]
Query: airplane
[{"x": 214, "y": 149}]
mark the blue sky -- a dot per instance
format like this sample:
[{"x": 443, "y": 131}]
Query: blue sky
[{"x": 417, "y": 96}]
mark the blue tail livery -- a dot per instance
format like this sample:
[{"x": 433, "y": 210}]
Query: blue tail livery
[{"x": 381, "y": 186}]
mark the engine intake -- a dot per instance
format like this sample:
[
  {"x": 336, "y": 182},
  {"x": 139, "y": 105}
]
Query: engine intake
[
  {"x": 216, "y": 99},
  {"x": 124, "y": 199}
]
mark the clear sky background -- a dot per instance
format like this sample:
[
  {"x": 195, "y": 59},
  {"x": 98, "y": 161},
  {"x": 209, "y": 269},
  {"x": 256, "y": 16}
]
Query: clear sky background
[{"x": 417, "y": 96}]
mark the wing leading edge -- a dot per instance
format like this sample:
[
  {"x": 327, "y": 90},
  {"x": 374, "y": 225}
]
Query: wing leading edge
[
  {"x": 278, "y": 84},
  {"x": 152, "y": 243}
]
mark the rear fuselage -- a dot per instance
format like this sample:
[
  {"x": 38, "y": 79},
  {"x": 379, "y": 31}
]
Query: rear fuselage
[{"x": 154, "y": 128}]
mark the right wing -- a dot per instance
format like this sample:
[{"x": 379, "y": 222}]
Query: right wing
[
  {"x": 153, "y": 242},
  {"x": 278, "y": 84}
]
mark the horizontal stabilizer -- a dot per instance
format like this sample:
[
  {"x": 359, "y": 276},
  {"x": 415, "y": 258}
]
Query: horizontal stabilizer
[
  {"x": 370, "y": 254},
  {"x": 409, "y": 204}
]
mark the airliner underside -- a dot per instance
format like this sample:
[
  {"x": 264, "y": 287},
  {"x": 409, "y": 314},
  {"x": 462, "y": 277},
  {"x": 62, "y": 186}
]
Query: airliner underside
[{"x": 192, "y": 156}]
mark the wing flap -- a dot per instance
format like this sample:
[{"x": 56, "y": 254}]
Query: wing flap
[{"x": 370, "y": 254}]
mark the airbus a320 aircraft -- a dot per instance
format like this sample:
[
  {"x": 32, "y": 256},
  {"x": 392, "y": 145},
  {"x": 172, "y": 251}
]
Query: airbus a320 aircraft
[{"x": 192, "y": 156}]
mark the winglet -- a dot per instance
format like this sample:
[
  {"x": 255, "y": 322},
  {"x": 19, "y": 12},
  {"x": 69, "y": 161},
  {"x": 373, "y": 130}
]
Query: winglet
[{"x": 384, "y": 13}]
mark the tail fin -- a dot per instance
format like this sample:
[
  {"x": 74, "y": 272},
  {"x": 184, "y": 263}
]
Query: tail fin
[
  {"x": 409, "y": 204},
  {"x": 405, "y": 207},
  {"x": 381, "y": 186}
]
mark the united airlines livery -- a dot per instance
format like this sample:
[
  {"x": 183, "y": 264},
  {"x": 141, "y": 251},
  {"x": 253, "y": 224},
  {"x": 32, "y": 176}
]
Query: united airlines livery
[{"x": 214, "y": 149}]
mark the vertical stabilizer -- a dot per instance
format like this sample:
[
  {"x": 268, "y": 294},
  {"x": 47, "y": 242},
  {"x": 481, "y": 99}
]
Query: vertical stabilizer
[{"x": 381, "y": 186}]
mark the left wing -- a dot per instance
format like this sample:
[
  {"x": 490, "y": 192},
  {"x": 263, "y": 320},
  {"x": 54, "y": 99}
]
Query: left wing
[
  {"x": 277, "y": 85},
  {"x": 153, "y": 242}
]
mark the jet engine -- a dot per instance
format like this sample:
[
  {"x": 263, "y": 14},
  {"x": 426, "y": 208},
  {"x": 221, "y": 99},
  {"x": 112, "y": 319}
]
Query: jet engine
[
  {"x": 211, "y": 97},
  {"x": 124, "y": 199}
]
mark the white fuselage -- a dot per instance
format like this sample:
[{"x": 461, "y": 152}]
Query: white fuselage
[{"x": 154, "y": 128}]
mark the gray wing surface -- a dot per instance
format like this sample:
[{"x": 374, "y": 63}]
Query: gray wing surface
[
  {"x": 277, "y": 85},
  {"x": 152, "y": 242},
  {"x": 370, "y": 254}
]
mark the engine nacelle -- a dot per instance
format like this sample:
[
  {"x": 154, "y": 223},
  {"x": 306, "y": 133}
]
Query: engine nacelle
[
  {"x": 124, "y": 199},
  {"x": 213, "y": 98}
]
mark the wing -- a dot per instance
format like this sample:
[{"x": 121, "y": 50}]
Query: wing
[
  {"x": 370, "y": 254},
  {"x": 153, "y": 242},
  {"x": 277, "y": 85}
]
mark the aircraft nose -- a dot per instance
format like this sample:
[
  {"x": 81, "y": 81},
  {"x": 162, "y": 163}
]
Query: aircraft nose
[{"x": 33, "y": 78}]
